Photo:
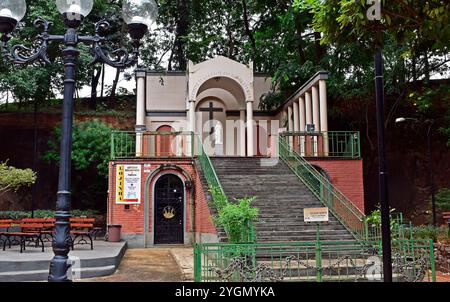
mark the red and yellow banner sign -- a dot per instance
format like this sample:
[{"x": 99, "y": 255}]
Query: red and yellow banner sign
[{"x": 128, "y": 184}]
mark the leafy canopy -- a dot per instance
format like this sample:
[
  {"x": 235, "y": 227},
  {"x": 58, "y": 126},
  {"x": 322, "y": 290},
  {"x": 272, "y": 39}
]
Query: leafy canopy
[
  {"x": 12, "y": 178},
  {"x": 90, "y": 147}
]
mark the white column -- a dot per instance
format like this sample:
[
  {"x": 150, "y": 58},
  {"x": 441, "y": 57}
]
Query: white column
[
  {"x": 324, "y": 115},
  {"x": 140, "y": 110},
  {"x": 290, "y": 126},
  {"x": 242, "y": 133},
  {"x": 290, "y": 121},
  {"x": 302, "y": 124},
  {"x": 308, "y": 108},
  {"x": 191, "y": 127},
  {"x": 250, "y": 148},
  {"x": 315, "y": 108},
  {"x": 316, "y": 116},
  {"x": 296, "y": 116}
]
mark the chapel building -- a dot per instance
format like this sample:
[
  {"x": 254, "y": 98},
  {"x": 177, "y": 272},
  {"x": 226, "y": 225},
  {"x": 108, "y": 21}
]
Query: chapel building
[{"x": 204, "y": 127}]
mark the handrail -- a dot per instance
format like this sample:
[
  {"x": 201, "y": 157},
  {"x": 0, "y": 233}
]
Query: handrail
[
  {"x": 208, "y": 169},
  {"x": 344, "y": 210},
  {"x": 248, "y": 229}
]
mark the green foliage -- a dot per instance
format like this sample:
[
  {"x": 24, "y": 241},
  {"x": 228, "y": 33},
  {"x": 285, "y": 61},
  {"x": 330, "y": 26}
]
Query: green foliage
[
  {"x": 219, "y": 200},
  {"x": 235, "y": 217},
  {"x": 43, "y": 214},
  {"x": 90, "y": 147},
  {"x": 442, "y": 200},
  {"x": 12, "y": 178},
  {"x": 38, "y": 82},
  {"x": 374, "y": 219},
  {"x": 91, "y": 153},
  {"x": 437, "y": 234}
]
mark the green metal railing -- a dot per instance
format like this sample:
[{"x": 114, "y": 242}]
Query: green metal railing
[
  {"x": 217, "y": 192},
  {"x": 339, "y": 144},
  {"x": 344, "y": 210},
  {"x": 413, "y": 261},
  {"x": 400, "y": 229},
  {"x": 131, "y": 144}
]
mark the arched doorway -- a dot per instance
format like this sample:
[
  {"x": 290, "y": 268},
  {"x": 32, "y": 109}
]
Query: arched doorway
[
  {"x": 164, "y": 142},
  {"x": 168, "y": 211}
]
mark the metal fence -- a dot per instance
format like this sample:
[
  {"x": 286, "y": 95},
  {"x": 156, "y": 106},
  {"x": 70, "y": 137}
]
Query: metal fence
[
  {"x": 216, "y": 190},
  {"x": 344, "y": 210},
  {"x": 339, "y": 144},
  {"x": 412, "y": 260},
  {"x": 131, "y": 144}
]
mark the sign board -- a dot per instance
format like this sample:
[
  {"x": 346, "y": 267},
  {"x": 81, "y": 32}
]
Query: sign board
[
  {"x": 315, "y": 214},
  {"x": 128, "y": 184}
]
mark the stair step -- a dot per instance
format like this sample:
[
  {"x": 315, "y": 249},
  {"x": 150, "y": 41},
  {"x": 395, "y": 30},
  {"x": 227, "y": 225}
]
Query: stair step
[{"x": 280, "y": 197}]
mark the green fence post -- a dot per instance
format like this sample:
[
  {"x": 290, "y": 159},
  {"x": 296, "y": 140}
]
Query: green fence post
[
  {"x": 112, "y": 146},
  {"x": 366, "y": 229},
  {"x": 432, "y": 262},
  {"x": 352, "y": 140},
  {"x": 319, "y": 273},
  {"x": 197, "y": 263}
]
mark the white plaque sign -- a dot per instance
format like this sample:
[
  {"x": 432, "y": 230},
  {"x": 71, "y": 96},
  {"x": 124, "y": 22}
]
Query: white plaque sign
[
  {"x": 315, "y": 214},
  {"x": 128, "y": 184}
]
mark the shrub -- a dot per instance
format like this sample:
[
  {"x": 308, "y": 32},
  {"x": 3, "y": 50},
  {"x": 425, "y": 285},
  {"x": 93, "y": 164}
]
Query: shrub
[
  {"x": 43, "y": 214},
  {"x": 437, "y": 234},
  {"x": 233, "y": 217},
  {"x": 12, "y": 178},
  {"x": 442, "y": 200}
]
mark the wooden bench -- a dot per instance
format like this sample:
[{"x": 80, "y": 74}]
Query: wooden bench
[
  {"x": 5, "y": 224},
  {"x": 48, "y": 229},
  {"x": 446, "y": 216},
  {"x": 81, "y": 229},
  {"x": 30, "y": 233}
]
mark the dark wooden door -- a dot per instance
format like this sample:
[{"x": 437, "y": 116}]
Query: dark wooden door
[{"x": 169, "y": 210}]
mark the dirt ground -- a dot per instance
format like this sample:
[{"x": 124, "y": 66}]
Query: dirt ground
[{"x": 144, "y": 265}]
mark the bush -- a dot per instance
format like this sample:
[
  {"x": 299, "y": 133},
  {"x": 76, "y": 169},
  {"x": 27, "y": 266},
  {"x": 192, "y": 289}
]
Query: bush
[
  {"x": 43, "y": 214},
  {"x": 233, "y": 217},
  {"x": 437, "y": 234},
  {"x": 374, "y": 219},
  {"x": 442, "y": 200}
]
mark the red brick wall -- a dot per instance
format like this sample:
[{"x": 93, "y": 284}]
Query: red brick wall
[
  {"x": 346, "y": 175},
  {"x": 132, "y": 220}
]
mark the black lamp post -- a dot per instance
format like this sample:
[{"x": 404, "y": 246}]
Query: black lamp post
[
  {"x": 430, "y": 123},
  {"x": 383, "y": 186},
  {"x": 139, "y": 15}
]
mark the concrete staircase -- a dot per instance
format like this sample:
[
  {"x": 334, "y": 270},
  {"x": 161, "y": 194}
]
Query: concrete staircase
[{"x": 280, "y": 197}]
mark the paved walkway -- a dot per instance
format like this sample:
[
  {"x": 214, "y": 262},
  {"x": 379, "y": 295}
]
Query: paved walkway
[{"x": 145, "y": 265}]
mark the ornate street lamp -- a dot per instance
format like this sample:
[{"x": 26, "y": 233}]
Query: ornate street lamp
[{"x": 139, "y": 15}]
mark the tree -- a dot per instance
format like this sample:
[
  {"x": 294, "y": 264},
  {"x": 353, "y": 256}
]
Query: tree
[
  {"x": 12, "y": 179},
  {"x": 90, "y": 159}
]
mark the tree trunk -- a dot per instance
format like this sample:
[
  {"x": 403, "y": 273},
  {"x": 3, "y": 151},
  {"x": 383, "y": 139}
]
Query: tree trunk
[
  {"x": 181, "y": 33},
  {"x": 112, "y": 96},
  {"x": 103, "y": 80},
  {"x": 299, "y": 30},
  {"x": 427, "y": 67},
  {"x": 94, "y": 84},
  {"x": 248, "y": 31},
  {"x": 319, "y": 48}
]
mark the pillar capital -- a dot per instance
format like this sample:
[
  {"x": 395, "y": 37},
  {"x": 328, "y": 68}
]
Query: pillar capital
[{"x": 140, "y": 73}]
